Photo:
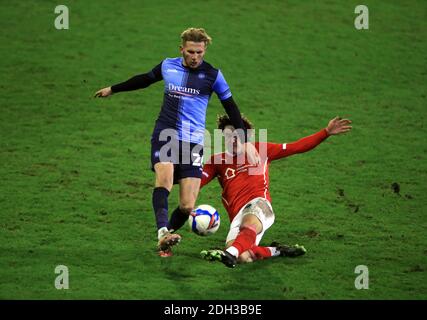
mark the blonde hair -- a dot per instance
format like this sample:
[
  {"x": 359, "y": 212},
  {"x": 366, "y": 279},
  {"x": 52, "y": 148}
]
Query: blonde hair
[{"x": 196, "y": 35}]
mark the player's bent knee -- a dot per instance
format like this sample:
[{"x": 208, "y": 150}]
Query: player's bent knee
[{"x": 164, "y": 182}]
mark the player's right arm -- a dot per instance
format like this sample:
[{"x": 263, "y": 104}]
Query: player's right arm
[
  {"x": 137, "y": 82},
  {"x": 209, "y": 172}
]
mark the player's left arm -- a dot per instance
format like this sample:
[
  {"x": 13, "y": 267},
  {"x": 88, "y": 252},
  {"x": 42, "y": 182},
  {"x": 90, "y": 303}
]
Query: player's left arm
[
  {"x": 224, "y": 94},
  {"x": 335, "y": 126}
]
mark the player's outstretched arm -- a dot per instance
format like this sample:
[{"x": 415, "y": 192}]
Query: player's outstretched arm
[
  {"x": 338, "y": 126},
  {"x": 137, "y": 82},
  {"x": 335, "y": 126},
  {"x": 103, "y": 93}
]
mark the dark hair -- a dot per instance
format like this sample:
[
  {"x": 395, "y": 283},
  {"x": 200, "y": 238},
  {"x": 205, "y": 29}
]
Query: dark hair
[{"x": 223, "y": 121}]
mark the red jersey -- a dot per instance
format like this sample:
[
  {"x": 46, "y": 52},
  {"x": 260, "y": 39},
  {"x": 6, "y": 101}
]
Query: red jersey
[{"x": 242, "y": 183}]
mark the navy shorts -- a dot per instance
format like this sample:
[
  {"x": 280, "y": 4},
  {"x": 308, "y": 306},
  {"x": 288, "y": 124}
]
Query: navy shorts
[{"x": 187, "y": 157}]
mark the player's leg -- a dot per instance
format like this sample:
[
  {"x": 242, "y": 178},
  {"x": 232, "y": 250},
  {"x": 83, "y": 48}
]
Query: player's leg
[
  {"x": 262, "y": 213},
  {"x": 245, "y": 257},
  {"x": 274, "y": 250},
  {"x": 188, "y": 192},
  {"x": 260, "y": 252},
  {"x": 164, "y": 157},
  {"x": 189, "y": 173},
  {"x": 163, "y": 185},
  {"x": 250, "y": 227},
  {"x": 242, "y": 234},
  {"x": 241, "y": 237},
  {"x": 256, "y": 217},
  {"x": 257, "y": 211},
  {"x": 218, "y": 254},
  {"x": 257, "y": 253},
  {"x": 251, "y": 255}
]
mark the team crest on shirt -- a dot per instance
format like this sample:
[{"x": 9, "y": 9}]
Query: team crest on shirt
[
  {"x": 201, "y": 75},
  {"x": 230, "y": 173}
]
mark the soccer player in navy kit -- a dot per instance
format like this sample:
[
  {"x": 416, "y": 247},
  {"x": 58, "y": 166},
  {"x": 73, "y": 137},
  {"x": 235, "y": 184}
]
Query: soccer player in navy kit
[{"x": 177, "y": 139}]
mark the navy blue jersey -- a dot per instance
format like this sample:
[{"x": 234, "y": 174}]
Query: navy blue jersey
[{"x": 186, "y": 95}]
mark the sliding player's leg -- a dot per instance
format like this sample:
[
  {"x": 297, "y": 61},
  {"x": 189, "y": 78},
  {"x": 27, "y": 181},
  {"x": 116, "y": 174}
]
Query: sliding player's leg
[
  {"x": 247, "y": 230},
  {"x": 256, "y": 253},
  {"x": 262, "y": 209},
  {"x": 273, "y": 250},
  {"x": 260, "y": 212},
  {"x": 244, "y": 230},
  {"x": 237, "y": 249}
]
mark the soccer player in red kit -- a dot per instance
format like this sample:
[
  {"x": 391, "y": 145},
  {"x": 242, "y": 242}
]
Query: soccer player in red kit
[{"x": 246, "y": 195}]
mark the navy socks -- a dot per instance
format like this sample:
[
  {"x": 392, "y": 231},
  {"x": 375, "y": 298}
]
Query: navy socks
[
  {"x": 160, "y": 206},
  {"x": 178, "y": 219}
]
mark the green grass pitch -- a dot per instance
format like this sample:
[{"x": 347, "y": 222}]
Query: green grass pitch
[{"x": 75, "y": 179}]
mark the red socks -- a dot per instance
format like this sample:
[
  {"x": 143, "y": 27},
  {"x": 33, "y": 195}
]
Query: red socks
[
  {"x": 245, "y": 240},
  {"x": 261, "y": 252}
]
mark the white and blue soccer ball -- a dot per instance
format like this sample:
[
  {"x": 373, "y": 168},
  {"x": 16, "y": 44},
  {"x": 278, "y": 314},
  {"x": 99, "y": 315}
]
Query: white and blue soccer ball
[{"x": 204, "y": 220}]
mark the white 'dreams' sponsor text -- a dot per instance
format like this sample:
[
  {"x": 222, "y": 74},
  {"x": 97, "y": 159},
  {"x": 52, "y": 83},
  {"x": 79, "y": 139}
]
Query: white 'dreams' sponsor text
[{"x": 184, "y": 90}]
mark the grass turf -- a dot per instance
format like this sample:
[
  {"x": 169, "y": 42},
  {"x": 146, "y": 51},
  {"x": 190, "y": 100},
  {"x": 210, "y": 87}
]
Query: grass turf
[{"x": 76, "y": 185}]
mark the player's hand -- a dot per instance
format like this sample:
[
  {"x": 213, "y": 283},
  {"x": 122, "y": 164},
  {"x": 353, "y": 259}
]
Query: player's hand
[
  {"x": 252, "y": 153},
  {"x": 103, "y": 93},
  {"x": 338, "y": 126}
]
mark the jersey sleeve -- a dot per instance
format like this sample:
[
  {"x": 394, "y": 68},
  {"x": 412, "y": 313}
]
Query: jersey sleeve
[
  {"x": 209, "y": 172},
  {"x": 140, "y": 81},
  {"x": 156, "y": 72},
  {"x": 274, "y": 150},
  {"x": 221, "y": 87},
  {"x": 278, "y": 150}
]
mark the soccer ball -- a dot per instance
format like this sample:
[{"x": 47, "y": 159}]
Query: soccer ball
[{"x": 204, "y": 220}]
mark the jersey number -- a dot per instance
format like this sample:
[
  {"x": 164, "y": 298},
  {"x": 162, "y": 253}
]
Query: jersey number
[{"x": 197, "y": 159}]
